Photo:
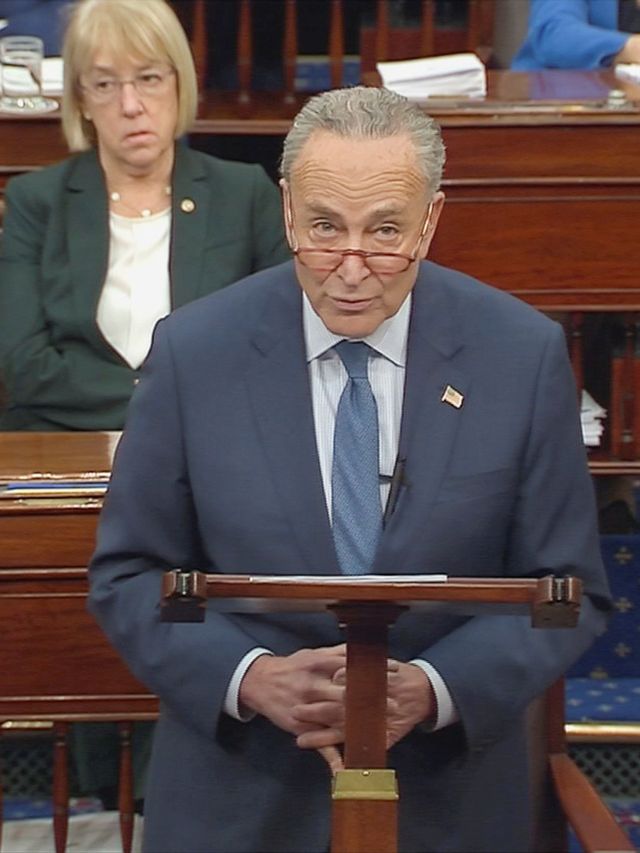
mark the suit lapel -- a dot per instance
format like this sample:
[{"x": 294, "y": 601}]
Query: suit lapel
[
  {"x": 279, "y": 389},
  {"x": 191, "y": 216},
  {"x": 87, "y": 229},
  {"x": 87, "y": 225},
  {"x": 278, "y": 385},
  {"x": 429, "y": 423}
]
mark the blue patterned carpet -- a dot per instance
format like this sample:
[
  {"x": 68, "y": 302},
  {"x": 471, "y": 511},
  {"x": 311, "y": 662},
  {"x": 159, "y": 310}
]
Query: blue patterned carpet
[{"x": 26, "y": 808}]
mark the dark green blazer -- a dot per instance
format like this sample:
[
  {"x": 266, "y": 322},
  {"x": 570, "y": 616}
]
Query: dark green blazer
[{"x": 59, "y": 371}]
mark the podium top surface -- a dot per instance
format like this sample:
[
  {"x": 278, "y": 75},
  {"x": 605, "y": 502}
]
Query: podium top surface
[{"x": 552, "y": 601}]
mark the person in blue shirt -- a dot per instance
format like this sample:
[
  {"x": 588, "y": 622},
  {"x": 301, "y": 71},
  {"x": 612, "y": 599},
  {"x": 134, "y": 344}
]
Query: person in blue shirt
[
  {"x": 584, "y": 34},
  {"x": 42, "y": 18}
]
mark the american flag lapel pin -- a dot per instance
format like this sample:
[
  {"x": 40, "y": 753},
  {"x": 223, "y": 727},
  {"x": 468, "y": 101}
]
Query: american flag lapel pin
[{"x": 452, "y": 397}]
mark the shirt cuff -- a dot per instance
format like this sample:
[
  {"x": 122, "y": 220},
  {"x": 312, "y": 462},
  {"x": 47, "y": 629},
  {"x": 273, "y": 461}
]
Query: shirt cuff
[
  {"x": 446, "y": 712},
  {"x": 231, "y": 705}
]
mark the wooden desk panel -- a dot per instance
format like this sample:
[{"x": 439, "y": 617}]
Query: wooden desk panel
[
  {"x": 56, "y": 662},
  {"x": 28, "y": 143},
  {"x": 560, "y": 248},
  {"x": 541, "y": 178},
  {"x": 43, "y": 537},
  {"x": 27, "y": 454}
]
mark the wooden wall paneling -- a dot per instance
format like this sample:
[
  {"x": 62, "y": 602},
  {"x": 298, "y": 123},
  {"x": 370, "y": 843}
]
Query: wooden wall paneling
[
  {"x": 336, "y": 44},
  {"x": 575, "y": 321},
  {"x": 200, "y": 44},
  {"x": 290, "y": 51},
  {"x": 125, "y": 787},
  {"x": 245, "y": 55},
  {"x": 382, "y": 31},
  {"x": 60, "y": 785},
  {"x": 427, "y": 28}
]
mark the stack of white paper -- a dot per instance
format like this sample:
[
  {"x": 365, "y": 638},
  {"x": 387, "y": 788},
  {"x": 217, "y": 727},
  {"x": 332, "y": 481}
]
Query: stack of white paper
[
  {"x": 628, "y": 71},
  {"x": 438, "y": 76},
  {"x": 591, "y": 416},
  {"x": 23, "y": 83},
  {"x": 52, "y": 71}
]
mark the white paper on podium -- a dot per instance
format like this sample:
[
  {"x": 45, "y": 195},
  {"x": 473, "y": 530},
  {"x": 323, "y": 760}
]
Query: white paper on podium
[{"x": 319, "y": 579}]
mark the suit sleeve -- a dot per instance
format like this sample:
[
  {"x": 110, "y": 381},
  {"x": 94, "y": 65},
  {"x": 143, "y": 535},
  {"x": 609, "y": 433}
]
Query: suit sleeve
[
  {"x": 149, "y": 525},
  {"x": 37, "y": 372},
  {"x": 560, "y": 36},
  {"x": 494, "y": 665}
]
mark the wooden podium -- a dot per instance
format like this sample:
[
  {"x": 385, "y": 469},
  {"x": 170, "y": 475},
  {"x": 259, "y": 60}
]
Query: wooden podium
[{"x": 364, "y": 810}]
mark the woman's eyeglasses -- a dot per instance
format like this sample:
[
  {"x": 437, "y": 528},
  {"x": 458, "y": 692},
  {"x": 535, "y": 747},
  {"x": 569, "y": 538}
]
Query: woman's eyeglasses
[{"x": 150, "y": 83}]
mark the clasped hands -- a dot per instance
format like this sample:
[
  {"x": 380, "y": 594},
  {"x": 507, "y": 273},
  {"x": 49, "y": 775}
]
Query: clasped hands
[{"x": 304, "y": 694}]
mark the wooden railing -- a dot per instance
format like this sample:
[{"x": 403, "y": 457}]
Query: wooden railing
[{"x": 379, "y": 39}]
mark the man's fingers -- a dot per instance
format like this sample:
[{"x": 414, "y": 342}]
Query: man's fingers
[
  {"x": 325, "y": 713},
  {"x": 332, "y": 756},
  {"x": 320, "y": 738},
  {"x": 340, "y": 675}
]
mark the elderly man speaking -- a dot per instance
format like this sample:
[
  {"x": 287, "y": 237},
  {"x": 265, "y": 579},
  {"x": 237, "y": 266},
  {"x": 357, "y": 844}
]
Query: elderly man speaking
[{"x": 262, "y": 438}]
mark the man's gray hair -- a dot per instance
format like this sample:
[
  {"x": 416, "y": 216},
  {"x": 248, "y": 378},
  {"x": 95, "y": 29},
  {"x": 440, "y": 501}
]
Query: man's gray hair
[{"x": 365, "y": 112}]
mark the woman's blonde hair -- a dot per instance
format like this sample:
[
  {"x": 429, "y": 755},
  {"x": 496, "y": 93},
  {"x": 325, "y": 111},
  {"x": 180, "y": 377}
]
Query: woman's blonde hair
[{"x": 142, "y": 29}]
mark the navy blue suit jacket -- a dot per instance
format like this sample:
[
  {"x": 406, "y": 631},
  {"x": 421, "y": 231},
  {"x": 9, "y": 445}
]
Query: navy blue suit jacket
[{"x": 218, "y": 470}]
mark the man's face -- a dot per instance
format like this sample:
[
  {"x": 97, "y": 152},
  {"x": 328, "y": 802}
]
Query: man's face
[{"x": 366, "y": 194}]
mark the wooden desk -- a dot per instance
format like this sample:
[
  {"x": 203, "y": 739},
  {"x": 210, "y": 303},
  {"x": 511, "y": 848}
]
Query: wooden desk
[
  {"x": 542, "y": 180},
  {"x": 56, "y": 663}
]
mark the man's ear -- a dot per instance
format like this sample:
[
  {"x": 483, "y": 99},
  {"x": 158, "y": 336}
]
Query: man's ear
[
  {"x": 437, "y": 203},
  {"x": 286, "y": 211}
]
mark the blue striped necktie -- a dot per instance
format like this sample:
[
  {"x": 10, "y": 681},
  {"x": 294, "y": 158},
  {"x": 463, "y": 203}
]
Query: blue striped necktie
[{"x": 355, "y": 487}]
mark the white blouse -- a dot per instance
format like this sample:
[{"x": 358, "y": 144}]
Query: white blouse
[{"x": 136, "y": 293}]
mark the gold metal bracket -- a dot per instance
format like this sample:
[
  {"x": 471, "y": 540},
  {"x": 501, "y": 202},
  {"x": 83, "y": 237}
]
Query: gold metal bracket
[{"x": 377, "y": 784}]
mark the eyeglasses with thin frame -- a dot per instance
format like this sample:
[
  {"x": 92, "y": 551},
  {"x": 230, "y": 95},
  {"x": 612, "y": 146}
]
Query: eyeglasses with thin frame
[
  {"x": 379, "y": 263},
  {"x": 150, "y": 83}
]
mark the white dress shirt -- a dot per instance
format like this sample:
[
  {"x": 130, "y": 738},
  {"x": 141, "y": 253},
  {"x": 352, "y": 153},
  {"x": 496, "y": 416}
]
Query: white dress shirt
[
  {"x": 328, "y": 378},
  {"x": 136, "y": 292}
]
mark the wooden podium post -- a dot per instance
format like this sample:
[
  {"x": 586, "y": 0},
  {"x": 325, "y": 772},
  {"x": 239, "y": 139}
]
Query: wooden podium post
[
  {"x": 364, "y": 818},
  {"x": 365, "y": 793}
]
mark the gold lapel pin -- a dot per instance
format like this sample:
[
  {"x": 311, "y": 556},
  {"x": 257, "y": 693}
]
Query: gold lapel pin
[
  {"x": 187, "y": 205},
  {"x": 452, "y": 397}
]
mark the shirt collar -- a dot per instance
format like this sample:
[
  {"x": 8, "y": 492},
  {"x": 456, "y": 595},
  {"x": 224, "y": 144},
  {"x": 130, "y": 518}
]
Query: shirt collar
[{"x": 389, "y": 339}]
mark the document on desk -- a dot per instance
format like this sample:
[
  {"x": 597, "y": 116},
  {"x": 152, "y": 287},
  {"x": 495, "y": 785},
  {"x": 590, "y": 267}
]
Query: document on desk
[
  {"x": 457, "y": 74},
  {"x": 628, "y": 71},
  {"x": 52, "y": 76},
  {"x": 52, "y": 488}
]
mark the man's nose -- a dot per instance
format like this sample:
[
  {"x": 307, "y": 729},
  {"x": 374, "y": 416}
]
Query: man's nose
[{"x": 353, "y": 268}]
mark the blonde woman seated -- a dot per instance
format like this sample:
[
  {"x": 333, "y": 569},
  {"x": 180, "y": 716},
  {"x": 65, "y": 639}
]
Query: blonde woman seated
[{"x": 99, "y": 247}]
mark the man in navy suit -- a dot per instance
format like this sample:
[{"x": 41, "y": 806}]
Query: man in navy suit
[{"x": 225, "y": 465}]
